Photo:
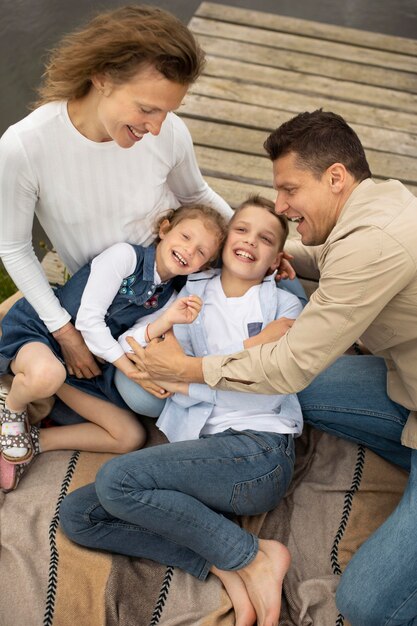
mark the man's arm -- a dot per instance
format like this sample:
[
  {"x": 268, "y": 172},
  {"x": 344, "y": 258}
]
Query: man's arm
[{"x": 360, "y": 276}]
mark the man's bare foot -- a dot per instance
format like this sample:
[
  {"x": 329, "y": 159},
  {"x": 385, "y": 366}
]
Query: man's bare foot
[
  {"x": 236, "y": 590},
  {"x": 263, "y": 579}
]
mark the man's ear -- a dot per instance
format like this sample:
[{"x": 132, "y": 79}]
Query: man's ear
[
  {"x": 164, "y": 228},
  {"x": 337, "y": 175}
]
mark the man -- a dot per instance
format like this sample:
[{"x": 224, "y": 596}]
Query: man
[{"x": 358, "y": 238}]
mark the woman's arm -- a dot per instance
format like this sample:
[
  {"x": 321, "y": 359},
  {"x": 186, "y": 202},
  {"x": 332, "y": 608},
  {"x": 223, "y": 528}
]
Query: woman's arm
[{"x": 18, "y": 197}]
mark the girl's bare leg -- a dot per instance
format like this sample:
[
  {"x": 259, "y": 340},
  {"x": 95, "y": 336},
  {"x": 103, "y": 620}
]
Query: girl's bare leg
[
  {"x": 38, "y": 374},
  {"x": 263, "y": 579},
  {"x": 109, "y": 428},
  {"x": 236, "y": 590}
]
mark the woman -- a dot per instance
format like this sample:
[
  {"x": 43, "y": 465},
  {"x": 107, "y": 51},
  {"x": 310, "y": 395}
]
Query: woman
[{"x": 101, "y": 156}]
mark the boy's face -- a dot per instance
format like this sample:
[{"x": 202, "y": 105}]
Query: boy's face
[
  {"x": 186, "y": 248},
  {"x": 254, "y": 244}
]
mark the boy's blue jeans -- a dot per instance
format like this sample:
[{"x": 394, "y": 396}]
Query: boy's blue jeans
[
  {"x": 379, "y": 586},
  {"x": 172, "y": 503}
]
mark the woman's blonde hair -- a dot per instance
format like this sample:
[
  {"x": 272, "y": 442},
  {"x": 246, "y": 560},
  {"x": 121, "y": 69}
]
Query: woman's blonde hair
[{"x": 118, "y": 43}]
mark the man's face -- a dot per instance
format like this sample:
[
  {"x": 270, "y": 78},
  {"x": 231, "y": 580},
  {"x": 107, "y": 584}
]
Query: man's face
[{"x": 305, "y": 199}]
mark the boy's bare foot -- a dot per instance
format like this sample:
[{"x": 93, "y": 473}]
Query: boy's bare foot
[
  {"x": 236, "y": 590},
  {"x": 263, "y": 579}
]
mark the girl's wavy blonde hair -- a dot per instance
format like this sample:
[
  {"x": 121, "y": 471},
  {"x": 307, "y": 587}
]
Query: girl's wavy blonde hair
[{"x": 118, "y": 43}]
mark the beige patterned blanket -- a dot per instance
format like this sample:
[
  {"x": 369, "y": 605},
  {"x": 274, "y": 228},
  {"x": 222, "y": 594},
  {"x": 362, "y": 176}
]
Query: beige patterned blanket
[{"x": 340, "y": 494}]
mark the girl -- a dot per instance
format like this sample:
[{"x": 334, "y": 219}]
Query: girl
[
  {"x": 104, "y": 299},
  {"x": 231, "y": 453}
]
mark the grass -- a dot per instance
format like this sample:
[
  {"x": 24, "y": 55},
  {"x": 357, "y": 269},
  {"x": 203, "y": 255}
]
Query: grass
[{"x": 7, "y": 286}]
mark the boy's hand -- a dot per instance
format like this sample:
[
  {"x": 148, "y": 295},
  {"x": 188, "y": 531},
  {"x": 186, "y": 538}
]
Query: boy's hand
[{"x": 184, "y": 310}]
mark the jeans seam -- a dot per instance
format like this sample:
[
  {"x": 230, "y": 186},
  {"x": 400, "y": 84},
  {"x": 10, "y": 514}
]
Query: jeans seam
[
  {"x": 393, "y": 616},
  {"x": 333, "y": 409}
]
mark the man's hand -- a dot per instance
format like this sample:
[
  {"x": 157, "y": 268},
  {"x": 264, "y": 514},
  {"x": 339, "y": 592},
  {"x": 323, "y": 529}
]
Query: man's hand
[
  {"x": 78, "y": 358},
  {"x": 272, "y": 332},
  {"x": 165, "y": 360},
  {"x": 285, "y": 269},
  {"x": 156, "y": 388}
]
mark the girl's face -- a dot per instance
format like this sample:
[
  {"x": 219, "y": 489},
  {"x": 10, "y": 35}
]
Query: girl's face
[
  {"x": 253, "y": 245},
  {"x": 127, "y": 111},
  {"x": 186, "y": 248}
]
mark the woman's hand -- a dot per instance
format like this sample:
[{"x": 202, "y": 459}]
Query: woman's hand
[
  {"x": 78, "y": 358},
  {"x": 272, "y": 332}
]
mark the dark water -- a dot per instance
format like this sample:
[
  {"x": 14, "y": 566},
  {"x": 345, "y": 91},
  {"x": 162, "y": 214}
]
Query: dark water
[{"x": 28, "y": 28}]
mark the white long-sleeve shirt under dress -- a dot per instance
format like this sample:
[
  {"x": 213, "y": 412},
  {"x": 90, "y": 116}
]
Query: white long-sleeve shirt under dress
[
  {"x": 221, "y": 328},
  {"x": 87, "y": 195}
]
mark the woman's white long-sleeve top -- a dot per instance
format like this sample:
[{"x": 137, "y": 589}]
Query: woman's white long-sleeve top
[{"x": 87, "y": 195}]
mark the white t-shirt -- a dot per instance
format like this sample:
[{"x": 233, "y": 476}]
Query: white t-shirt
[
  {"x": 87, "y": 195},
  {"x": 229, "y": 320}
]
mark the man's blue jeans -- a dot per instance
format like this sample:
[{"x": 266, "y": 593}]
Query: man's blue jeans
[
  {"x": 350, "y": 400},
  {"x": 172, "y": 503},
  {"x": 379, "y": 586}
]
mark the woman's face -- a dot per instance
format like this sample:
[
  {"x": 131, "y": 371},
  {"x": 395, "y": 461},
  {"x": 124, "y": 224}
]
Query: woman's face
[{"x": 127, "y": 111}]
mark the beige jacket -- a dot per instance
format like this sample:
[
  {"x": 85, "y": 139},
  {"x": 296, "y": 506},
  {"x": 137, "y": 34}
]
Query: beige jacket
[{"x": 367, "y": 289}]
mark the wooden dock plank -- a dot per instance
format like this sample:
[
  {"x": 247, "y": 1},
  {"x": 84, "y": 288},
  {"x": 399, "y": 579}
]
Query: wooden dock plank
[
  {"x": 308, "y": 28},
  {"x": 309, "y": 64},
  {"x": 273, "y": 77},
  {"x": 268, "y": 118},
  {"x": 310, "y": 45},
  {"x": 294, "y": 102}
]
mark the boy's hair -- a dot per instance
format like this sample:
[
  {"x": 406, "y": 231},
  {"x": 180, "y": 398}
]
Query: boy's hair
[
  {"x": 211, "y": 218},
  {"x": 119, "y": 43},
  {"x": 263, "y": 203},
  {"x": 318, "y": 140}
]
